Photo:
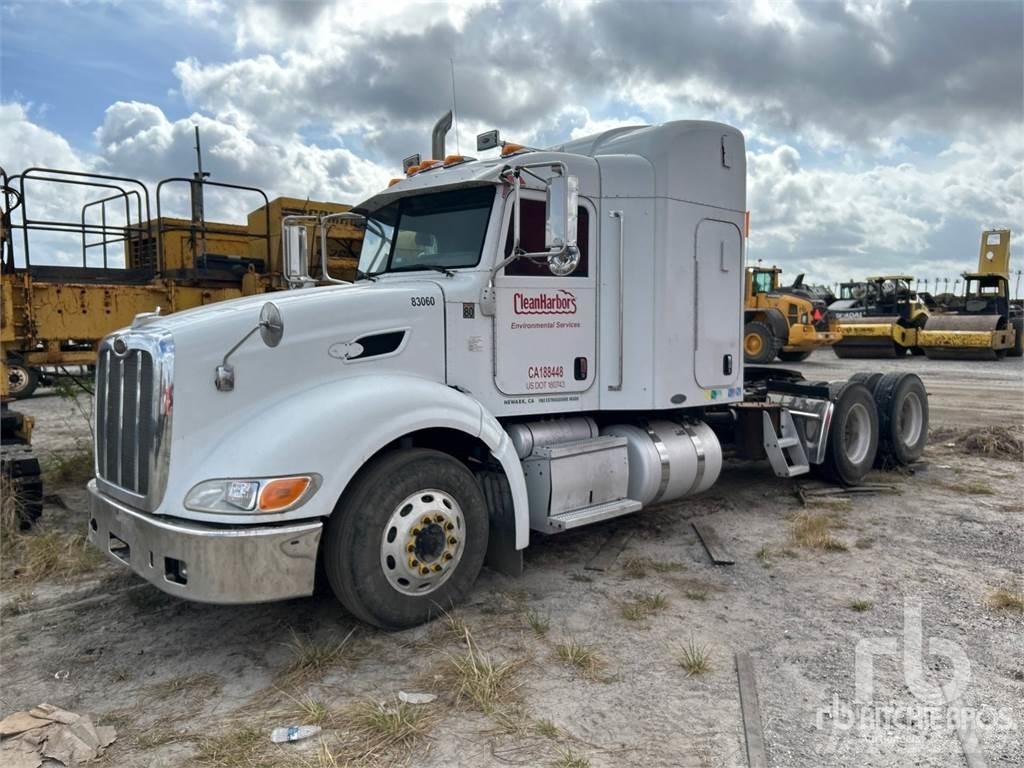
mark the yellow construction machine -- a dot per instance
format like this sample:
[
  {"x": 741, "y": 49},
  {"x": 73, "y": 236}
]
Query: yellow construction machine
[
  {"x": 985, "y": 325},
  {"x": 70, "y": 277},
  {"x": 788, "y": 322},
  {"x": 880, "y": 317},
  {"x": 129, "y": 262}
]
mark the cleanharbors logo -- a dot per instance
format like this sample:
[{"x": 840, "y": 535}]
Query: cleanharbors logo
[{"x": 560, "y": 303}]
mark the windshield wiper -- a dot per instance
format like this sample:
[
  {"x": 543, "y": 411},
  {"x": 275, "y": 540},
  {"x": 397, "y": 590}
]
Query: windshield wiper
[
  {"x": 371, "y": 276},
  {"x": 416, "y": 267}
]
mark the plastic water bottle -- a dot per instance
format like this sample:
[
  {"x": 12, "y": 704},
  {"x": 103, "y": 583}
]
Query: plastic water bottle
[{"x": 293, "y": 733}]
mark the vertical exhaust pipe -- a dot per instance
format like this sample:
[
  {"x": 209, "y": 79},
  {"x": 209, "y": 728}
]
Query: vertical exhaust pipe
[{"x": 441, "y": 128}]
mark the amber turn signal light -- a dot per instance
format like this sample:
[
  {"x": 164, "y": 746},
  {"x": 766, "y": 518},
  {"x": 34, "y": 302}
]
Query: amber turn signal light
[{"x": 282, "y": 493}]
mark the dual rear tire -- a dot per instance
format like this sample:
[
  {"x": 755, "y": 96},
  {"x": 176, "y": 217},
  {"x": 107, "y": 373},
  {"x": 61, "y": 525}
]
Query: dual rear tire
[{"x": 877, "y": 421}]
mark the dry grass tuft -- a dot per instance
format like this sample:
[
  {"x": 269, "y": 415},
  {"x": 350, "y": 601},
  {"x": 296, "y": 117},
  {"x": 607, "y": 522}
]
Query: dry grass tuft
[
  {"x": 644, "y": 606},
  {"x": 539, "y": 623},
  {"x": 1006, "y": 599},
  {"x": 388, "y": 728},
  {"x": 992, "y": 442},
  {"x": 581, "y": 577},
  {"x": 583, "y": 657},
  {"x": 312, "y": 659},
  {"x": 567, "y": 758},
  {"x": 242, "y": 748},
  {"x": 476, "y": 678},
  {"x": 47, "y": 554},
  {"x": 814, "y": 531},
  {"x": 694, "y": 658},
  {"x": 548, "y": 729},
  {"x": 860, "y": 605}
]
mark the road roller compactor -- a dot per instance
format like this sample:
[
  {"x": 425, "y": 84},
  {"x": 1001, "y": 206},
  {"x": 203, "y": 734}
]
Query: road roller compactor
[
  {"x": 881, "y": 318},
  {"x": 987, "y": 326}
]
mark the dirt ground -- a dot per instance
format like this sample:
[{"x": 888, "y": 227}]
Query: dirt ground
[{"x": 915, "y": 567}]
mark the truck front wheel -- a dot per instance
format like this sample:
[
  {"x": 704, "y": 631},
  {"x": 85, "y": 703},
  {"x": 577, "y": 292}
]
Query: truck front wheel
[{"x": 408, "y": 538}]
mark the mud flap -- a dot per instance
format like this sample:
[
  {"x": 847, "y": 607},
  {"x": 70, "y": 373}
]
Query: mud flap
[{"x": 502, "y": 555}]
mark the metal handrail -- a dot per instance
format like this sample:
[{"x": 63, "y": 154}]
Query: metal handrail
[
  {"x": 162, "y": 228},
  {"x": 103, "y": 221},
  {"x": 84, "y": 179}
]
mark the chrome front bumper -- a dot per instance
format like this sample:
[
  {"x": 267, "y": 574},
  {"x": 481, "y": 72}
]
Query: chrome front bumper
[{"x": 207, "y": 563}]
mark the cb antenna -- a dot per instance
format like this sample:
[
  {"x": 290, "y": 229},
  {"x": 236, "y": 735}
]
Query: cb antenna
[{"x": 198, "y": 215}]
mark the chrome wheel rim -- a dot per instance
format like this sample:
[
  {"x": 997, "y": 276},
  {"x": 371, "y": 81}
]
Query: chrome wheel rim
[
  {"x": 857, "y": 434},
  {"x": 422, "y": 542},
  {"x": 911, "y": 419}
]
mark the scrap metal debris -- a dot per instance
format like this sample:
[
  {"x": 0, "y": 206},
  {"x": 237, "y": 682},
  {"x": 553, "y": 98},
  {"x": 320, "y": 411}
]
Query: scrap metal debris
[{"x": 46, "y": 736}]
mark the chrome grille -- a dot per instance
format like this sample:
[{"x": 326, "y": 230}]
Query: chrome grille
[{"x": 133, "y": 397}]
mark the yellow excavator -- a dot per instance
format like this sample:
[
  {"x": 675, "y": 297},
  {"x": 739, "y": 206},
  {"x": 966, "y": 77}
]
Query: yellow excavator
[
  {"x": 985, "y": 325},
  {"x": 788, "y": 322}
]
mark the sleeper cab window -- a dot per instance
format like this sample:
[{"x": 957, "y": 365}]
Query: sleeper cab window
[{"x": 531, "y": 234}]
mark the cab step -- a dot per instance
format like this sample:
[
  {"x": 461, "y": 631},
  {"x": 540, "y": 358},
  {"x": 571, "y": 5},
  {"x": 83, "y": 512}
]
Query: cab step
[
  {"x": 587, "y": 515},
  {"x": 785, "y": 452}
]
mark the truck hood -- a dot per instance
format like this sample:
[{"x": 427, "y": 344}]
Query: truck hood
[{"x": 394, "y": 327}]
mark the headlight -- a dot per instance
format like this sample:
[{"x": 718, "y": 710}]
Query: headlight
[{"x": 267, "y": 494}]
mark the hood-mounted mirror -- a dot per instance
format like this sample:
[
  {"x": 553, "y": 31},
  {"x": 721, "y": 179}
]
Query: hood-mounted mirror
[
  {"x": 271, "y": 328},
  {"x": 271, "y": 324}
]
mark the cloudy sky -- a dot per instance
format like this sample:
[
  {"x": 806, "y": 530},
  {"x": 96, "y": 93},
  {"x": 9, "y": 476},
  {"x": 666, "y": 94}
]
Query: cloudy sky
[{"x": 881, "y": 135}]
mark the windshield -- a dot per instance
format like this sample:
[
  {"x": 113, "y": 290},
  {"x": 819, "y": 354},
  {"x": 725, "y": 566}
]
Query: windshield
[{"x": 441, "y": 230}]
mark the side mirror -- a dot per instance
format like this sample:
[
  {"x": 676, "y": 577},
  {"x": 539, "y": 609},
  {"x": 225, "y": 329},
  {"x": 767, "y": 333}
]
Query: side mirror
[
  {"x": 295, "y": 253},
  {"x": 560, "y": 218},
  {"x": 561, "y": 226}
]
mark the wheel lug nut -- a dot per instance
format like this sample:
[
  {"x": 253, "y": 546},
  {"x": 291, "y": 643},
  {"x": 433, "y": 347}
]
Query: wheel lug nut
[
  {"x": 449, "y": 527},
  {"x": 426, "y": 520},
  {"x": 438, "y": 518},
  {"x": 424, "y": 570},
  {"x": 416, "y": 531},
  {"x": 437, "y": 569},
  {"x": 447, "y": 555},
  {"x": 452, "y": 540},
  {"x": 411, "y": 548},
  {"x": 413, "y": 562}
]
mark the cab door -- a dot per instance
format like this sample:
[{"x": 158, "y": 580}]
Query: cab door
[
  {"x": 544, "y": 326},
  {"x": 718, "y": 262}
]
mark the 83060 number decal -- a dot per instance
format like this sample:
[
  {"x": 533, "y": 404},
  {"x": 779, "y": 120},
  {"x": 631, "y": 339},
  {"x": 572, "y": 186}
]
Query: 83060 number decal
[{"x": 422, "y": 301}]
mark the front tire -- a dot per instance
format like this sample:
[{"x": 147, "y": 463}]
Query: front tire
[
  {"x": 408, "y": 538},
  {"x": 759, "y": 345}
]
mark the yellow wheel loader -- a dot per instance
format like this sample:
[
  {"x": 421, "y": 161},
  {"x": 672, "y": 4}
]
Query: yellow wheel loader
[
  {"x": 788, "y": 322},
  {"x": 880, "y": 318},
  {"x": 985, "y": 326}
]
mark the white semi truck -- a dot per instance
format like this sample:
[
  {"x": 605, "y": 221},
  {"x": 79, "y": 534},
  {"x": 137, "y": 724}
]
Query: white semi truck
[{"x": 535, "y": 342}]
